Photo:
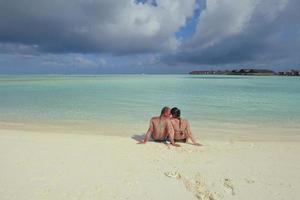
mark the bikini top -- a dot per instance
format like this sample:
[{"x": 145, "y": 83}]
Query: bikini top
[{"x": 181, "y": 131}]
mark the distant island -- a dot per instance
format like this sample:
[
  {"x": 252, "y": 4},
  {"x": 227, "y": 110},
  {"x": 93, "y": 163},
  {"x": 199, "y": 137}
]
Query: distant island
[{"x": 253, "y": 72}]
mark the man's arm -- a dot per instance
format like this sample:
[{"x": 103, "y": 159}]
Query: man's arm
[{"x": 148, "y": 134}]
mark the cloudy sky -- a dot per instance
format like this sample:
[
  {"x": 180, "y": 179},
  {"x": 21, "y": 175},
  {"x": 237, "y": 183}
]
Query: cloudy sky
[{"x": 147, "y": 36}]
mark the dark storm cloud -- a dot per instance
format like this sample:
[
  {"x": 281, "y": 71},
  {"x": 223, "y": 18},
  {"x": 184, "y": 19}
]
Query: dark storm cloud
[
  {"x": 51, "y": 25},
  {"x": 84, "y": 26}
]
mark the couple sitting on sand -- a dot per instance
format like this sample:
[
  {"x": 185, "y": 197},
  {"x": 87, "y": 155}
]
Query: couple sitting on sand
[{"x": 169, "y": 126}]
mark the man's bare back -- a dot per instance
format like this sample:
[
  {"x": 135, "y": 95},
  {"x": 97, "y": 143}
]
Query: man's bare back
[{"x": 160, "y": 128}]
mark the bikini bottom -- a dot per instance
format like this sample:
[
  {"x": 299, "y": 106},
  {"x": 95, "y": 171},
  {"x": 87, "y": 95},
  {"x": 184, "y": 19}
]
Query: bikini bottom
[{"x": 181, "y": 140}]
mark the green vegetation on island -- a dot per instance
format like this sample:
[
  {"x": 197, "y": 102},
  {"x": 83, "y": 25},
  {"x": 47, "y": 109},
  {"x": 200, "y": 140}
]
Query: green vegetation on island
[{"x": 253, "y": 72}]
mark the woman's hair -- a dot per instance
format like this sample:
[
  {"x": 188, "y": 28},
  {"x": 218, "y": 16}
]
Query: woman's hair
[{"x": 175, "y": 112}]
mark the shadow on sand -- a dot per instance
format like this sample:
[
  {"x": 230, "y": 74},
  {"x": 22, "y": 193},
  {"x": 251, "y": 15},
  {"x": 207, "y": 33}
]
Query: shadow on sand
[{"x": 138, "y": 138}]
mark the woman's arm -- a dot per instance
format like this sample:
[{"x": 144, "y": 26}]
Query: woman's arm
[
  {"x": 171, "y": 134},
  {"x": 190, "y": 134}
]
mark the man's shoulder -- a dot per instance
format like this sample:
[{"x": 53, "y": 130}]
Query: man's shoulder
[{"x": 154, "y": 118}]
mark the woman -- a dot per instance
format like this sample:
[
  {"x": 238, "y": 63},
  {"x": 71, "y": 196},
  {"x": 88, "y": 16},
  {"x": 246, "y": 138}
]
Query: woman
[{"x": 182, "y": 130}]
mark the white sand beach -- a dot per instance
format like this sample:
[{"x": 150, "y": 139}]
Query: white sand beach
[{"x": 36, "y": 166}]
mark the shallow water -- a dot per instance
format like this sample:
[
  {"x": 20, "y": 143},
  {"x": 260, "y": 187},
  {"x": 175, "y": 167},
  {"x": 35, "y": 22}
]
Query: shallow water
[{"x": 123, "y": 104}]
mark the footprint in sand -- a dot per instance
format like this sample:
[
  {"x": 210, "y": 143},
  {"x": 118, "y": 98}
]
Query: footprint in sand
[
  {"x": 173, "y": 175},
  {"x": 197, "y": 187},
  {"x": 202, "y": 193},
  {"x": 228, "y": 184}
]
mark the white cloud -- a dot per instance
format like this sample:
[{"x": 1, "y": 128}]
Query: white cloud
[
  {"x": 226, "y": 18},
  {"x": 234, "y": 32}
]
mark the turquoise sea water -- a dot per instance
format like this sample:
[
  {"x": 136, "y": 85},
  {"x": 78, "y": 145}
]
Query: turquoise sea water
[{"x": 123, "y": 104}]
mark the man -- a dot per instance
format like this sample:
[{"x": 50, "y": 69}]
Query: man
[{"x": 160, "y": 128}]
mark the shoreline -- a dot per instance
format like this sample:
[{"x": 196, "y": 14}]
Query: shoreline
[
  {"x": 225, "y": 132},
  {"x": 37, "y": 165}
]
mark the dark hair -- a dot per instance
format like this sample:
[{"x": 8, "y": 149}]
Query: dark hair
[
  {"x": 163, "y": 110},
  {"x": 175, "y": 112}
]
